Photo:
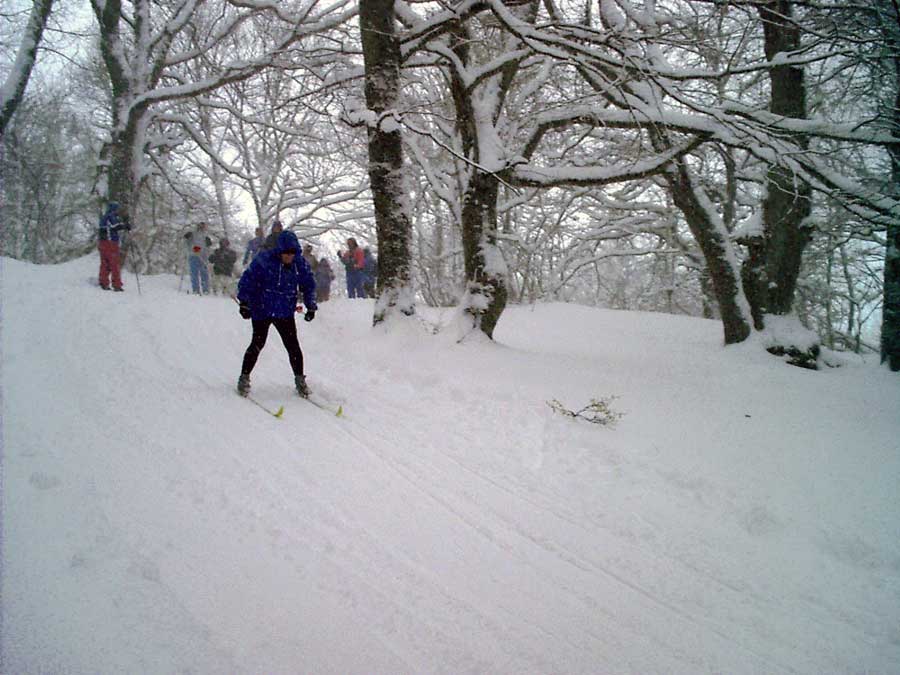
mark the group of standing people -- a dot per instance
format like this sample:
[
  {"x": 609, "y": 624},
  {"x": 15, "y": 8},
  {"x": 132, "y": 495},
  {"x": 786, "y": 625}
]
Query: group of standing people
[
  {"x": 360, "y": 264},
  {"x": 198, "y": 245},
  {"x": 361, "y": 268}
]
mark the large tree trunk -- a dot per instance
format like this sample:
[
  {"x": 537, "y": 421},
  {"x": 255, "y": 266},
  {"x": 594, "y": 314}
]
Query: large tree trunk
[
  {"x": 773, "y": 265},
  {"x": 890, "y": 322},
  {"x": 122, "y": 154},
  {"x": 123, "y": 157},
  {"x": 13, "y": 88},
  {"x": 381, "y": 52},
  {"x": 119, "y": 155},
  {"x": 785, "y": 211},
  {"x": 486, "y": 291},
  {"x": 712, "y": 237}
]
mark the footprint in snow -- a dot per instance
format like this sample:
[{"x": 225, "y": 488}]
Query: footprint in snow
[
  {"x": 43, "y": 481},
  {"x": 145, "y": 568}
]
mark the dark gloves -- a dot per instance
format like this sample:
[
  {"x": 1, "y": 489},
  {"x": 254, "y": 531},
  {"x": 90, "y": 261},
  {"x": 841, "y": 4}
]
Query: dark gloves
[
  {"x": 244, "y": 311},
  {"x": 310, "y": 315}
]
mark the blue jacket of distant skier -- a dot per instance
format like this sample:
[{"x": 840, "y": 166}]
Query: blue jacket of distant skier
[
  {"x": 270, "y": 288},
  {"x": 111, "y": 224}
]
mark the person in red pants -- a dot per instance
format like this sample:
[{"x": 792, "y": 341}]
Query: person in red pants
[{"x": 111, "y": 223}]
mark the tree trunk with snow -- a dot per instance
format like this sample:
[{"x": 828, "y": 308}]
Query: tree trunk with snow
[
  {"x": 486, "y": 292},
  {"x": 773, "y": 264},
  {"x": 13, "y": 88},
  {"x": 714, "y": 242},
  {"x": 119, "y": 152},
  {"x": 478, "y": 109},
  {"x": 381, "y": 52},
  {"x": 890, "y": 323},
  {"x": 122, "y": 184}
]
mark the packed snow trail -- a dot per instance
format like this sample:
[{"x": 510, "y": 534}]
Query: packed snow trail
[{"x": 742, "y": 517}]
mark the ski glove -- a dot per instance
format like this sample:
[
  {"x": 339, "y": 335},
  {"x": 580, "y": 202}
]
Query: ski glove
[
  {"x": 244, "y": 311},
  {"x": 310, "y": 315}
]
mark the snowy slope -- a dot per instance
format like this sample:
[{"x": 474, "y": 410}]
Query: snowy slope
[{"x": 742, "y": 517}]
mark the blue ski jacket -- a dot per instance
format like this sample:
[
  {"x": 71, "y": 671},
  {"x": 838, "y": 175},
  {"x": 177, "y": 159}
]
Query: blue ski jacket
[
  {"x": 270, "y": 288},
  {"x": 111, "y": 224}
]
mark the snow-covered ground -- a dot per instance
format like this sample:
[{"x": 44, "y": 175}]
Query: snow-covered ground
[{"x": 742, "y": 517}]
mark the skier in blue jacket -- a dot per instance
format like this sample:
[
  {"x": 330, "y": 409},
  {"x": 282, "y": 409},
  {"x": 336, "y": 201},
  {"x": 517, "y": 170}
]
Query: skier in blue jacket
[{"x": 267, "y": 293}]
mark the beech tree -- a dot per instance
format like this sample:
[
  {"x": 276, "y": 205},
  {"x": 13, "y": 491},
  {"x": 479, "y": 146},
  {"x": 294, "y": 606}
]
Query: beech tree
[
  {"x": 153, "y": 51},
  {"x": 495, "y": 81},
  {"x": 257, "y": 138},
  {"x": 46, "y": 209},
  {"x": 772, "y": 137},
  {"x": 13, "y": 87},
  {"x": 683, "y": 156},
  {"x": 888, "y": 20},
  {"x": 381, "y": 51}
]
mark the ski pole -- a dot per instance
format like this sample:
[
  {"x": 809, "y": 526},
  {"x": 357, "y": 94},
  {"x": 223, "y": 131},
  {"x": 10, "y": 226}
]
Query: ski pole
[{"x": 137, "y": 278}]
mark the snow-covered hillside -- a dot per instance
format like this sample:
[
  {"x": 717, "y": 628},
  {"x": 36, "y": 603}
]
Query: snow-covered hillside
[{"x": 742, "y": 517}]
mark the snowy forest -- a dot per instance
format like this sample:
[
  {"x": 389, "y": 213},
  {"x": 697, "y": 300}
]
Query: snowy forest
[
  {"x": 559, "y": 435},
  {"x": 731, "y": 159}
]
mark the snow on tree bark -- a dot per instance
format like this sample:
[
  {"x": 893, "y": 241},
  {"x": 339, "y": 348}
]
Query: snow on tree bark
[
  {"x": 381, "y": 53},
  {"x": 774, "y": 259},
  {"x": 890, "y": 313},
  {"x": 486, "y": 292},
  {"x": 13, "y": 88},
  {"x": 161, "y": 51},
  {"x": 890, "y": 326},
  {"x": 478, "y": 109},
  {"x": 714, "y": 241}
]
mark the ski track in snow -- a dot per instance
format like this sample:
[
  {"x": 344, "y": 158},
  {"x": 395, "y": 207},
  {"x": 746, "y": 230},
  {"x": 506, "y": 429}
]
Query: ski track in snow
[
  {"x": 155, "y": 522},
  {"x": 509, "y": 533}
]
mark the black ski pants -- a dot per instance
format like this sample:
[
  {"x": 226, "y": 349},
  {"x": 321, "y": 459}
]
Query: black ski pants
[{"x": 287, "y": 329}]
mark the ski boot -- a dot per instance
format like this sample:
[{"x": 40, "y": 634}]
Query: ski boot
[
  {"x": 243, "y": 385},
  {"x": 302, "y": 389}
]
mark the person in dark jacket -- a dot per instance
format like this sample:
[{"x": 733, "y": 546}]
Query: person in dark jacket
[
  {"x": 254, "y": 246},
  {"x": 111, "y": 224},
  {"x": 267, "y": 294},
  {"x": 324, "y": 277},
  {"x": 223, "y": 259},
  {"x": 272, "y": 240}
]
